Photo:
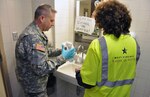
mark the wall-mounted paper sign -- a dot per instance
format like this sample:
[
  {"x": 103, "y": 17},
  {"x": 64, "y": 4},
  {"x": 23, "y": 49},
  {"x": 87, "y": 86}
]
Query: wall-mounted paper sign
[{"x": 84, "y": 24}]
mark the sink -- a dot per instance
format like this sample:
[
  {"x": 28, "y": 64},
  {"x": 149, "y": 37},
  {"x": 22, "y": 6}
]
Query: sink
[
  {"x": 67, "y": 72},
  {"x": 69, "y": 69}
]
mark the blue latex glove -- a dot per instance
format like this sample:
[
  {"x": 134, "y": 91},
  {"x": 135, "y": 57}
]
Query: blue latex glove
[{"x": 68, "y": 54}]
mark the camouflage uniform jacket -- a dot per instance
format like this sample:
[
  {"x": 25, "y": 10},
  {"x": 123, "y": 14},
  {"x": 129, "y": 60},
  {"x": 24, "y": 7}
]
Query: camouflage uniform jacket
[{"x": 32, "y": 62}]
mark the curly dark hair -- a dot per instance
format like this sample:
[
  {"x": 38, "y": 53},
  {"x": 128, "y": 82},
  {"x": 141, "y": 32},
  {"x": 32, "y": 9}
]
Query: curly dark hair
[{"x": 113, "y": 17}]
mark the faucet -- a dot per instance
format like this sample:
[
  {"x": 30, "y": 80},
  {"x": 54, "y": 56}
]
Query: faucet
[{"x": 81, "y": 50}]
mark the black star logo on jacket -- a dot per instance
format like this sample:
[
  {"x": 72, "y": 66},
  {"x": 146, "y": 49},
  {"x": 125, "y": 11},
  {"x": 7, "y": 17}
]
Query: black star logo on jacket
[{"x": 124, "y": 51}]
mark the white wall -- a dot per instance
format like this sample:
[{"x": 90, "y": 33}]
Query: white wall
[
  {"x": 140, "y": 11},
  {"x": 15, "y": 15},
  {"x": 64, "y": 23}
]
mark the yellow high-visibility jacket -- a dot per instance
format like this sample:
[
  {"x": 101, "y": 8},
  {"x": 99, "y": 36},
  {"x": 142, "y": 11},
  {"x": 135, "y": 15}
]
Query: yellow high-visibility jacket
[{"x": 110, "y": 66}]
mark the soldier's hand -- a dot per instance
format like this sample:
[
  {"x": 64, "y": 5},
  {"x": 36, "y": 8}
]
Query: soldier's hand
[{"x": 68, "y": 53}]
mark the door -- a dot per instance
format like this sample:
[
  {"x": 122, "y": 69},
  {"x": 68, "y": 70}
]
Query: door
[
  {"x": 3, "y": 74},
  {"x": 2, "y": 89}
]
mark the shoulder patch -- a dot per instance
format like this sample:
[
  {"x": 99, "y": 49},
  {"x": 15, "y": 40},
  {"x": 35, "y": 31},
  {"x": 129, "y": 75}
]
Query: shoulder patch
[{"x": 40, "y": 47}]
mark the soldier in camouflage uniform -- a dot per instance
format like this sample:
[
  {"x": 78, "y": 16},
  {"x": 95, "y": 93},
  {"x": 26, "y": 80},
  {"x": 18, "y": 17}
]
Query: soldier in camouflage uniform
[{"x": 33, "y": 64}]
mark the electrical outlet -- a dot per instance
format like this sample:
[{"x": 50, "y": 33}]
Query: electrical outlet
[{"x": 15, "y": 36}]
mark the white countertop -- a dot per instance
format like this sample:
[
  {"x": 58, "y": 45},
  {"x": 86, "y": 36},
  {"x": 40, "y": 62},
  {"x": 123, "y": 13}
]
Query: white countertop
[{"x": 66, "y": 72}]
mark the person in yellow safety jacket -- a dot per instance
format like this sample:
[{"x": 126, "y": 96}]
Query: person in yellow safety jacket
[{"x": 110, "y": 65}]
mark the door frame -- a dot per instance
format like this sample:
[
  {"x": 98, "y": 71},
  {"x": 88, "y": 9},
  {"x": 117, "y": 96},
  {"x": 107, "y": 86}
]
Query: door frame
[{"x": 4, "y": 69}]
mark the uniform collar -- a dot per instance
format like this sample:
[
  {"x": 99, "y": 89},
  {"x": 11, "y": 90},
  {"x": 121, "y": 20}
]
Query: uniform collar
[{"x": 39, "y": 32}]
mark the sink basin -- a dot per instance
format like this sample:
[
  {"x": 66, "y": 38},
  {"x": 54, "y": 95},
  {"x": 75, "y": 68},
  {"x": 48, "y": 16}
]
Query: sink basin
[{"x": 67, "y": 72}]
